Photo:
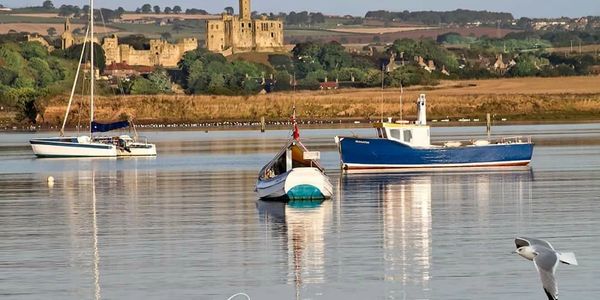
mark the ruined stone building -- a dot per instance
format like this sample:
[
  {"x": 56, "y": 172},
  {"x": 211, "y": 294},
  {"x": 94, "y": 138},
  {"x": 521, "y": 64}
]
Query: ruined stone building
[
  {"x": 161, "y": 53},
  {"x": 236, "y": 34}
]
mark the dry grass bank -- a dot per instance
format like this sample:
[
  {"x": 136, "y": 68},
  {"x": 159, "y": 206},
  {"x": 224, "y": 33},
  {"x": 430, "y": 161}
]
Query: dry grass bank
[{"x": 517, "y": 99}]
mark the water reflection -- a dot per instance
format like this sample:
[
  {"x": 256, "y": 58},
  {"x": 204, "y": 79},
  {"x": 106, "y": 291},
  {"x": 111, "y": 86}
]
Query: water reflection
[
  {"x": 302, "y": 224},
  {"x": 407, "y": 204}
]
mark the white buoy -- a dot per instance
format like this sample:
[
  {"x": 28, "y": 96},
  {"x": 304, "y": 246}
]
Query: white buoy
[{"x": 50, "y": 181}]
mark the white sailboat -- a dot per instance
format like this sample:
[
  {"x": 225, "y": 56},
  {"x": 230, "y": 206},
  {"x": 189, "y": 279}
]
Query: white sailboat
[
  {"x": 88, "y": 145},
  {"x": 294, "y": 173}
]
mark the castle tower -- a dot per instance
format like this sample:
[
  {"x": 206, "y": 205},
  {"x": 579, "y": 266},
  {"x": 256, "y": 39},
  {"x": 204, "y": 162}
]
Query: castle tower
[
  {"x": 68, "y": 24},
  {"x": 245, "y": 10},
  {"x": 67, "y": 36}
]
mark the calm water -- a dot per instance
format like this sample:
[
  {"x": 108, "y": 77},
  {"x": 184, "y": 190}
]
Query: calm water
[{"x": 187, "y": 224}]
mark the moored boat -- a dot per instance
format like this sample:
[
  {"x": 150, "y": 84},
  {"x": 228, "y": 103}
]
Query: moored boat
[
  {"x": 408, "y": 146},
  {"x": 294, "y": 174},
  {"x": 90, "y": 145}
]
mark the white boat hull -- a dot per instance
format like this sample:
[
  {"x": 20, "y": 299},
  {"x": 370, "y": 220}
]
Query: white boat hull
[
  {"x": 137, "y": 149},
  {"x": 299, "y": 183},
  {"x": 62, "y": 147}
]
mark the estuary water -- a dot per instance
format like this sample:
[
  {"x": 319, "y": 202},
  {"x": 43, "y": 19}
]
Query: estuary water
[{"x": 187, "y": 224}]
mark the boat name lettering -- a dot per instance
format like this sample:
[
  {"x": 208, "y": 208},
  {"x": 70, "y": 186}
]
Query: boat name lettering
[{"x": 362, "y": 142}]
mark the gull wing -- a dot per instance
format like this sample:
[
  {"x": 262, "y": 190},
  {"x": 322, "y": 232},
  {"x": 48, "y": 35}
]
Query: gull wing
[
  {"x": 524, "y": 241},
  {"x": 546, "y": 262}
]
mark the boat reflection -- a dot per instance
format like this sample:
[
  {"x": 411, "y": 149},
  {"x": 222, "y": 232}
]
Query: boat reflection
[
  {"x": 411, "y": 204},
  {"x": 301, "y": 224},
  {"x": 86, "y": 191}
]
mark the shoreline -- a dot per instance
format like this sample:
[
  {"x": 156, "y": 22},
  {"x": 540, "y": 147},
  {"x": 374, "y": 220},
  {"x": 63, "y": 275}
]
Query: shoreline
[{"x": 306, "y": 126}]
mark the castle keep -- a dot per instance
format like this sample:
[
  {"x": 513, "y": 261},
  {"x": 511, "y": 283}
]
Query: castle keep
[{"x": 237, "y": 34}]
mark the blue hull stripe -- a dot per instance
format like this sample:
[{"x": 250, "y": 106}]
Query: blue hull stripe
[
  {"x": 383, "y": 153},
  {"x": 67, "y": 144}
]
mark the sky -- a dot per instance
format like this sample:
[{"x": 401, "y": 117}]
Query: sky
[{"x": 519, "y": 8}]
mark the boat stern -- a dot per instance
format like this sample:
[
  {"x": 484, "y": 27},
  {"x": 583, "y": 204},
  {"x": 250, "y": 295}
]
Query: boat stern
[{"x": 307, "y": 184}]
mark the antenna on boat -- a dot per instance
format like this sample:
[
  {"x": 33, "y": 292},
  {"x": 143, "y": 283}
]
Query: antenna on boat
[
  {"x": 296, "y": 131},
  {"x": 382, "y": 83},
  {"x": 401, "y": 106}
]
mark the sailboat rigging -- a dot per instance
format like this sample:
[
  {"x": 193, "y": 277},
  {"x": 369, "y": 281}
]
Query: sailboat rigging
[{"x": 89, "y": 145}]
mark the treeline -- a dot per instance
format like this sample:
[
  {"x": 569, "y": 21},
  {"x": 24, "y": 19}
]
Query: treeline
[
  {"x": 562, "y": 38},
  {"x": 302, "y": 18},
  {"x": 148, "y": 8},
  {"x": 27, "y": 74},
  {"x": 459, "y": 16}
]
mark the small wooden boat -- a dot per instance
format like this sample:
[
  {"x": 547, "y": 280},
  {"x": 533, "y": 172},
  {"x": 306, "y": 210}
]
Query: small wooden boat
[{"x": 294, "y": 174}]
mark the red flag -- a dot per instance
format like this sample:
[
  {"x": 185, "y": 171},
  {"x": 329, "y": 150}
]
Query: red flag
[{"x": 296, "y": 133}]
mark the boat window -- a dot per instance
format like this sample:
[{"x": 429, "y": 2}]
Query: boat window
[
  {"x": 395, "y": 134},
  {"x": 407, "y": 135},
  {"x": 379, "y": 134}
]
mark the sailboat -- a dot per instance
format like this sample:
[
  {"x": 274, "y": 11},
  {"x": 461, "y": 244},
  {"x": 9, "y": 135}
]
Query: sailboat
[
  {"x": 295, "y": 173},
  {"x": 89, "y": 145}
]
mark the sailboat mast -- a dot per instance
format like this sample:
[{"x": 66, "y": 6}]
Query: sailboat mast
[{"x": 91, "y": 64}]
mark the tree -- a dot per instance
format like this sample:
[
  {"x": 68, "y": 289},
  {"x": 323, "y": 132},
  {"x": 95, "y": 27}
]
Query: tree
[
  {"x": 74, "y": 53},
  {"x": 48, "y": 4},
  {"x": 146, "y": 8},
  {"x": 229, "y": 10},
  {"x": 69, "y": 10},
  {"x": 177, "y": 9},
  {"x": 156, "y": 9},
  {"x": 143, "y": 86},
  {"x": 51, "y": 31},
  {"x": 168, "y": 10},
  {"x": 160, "y": 81}
]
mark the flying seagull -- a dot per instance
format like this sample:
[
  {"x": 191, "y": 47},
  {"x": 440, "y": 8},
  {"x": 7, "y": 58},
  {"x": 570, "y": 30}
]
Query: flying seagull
[{"x": 545, "y": 259}]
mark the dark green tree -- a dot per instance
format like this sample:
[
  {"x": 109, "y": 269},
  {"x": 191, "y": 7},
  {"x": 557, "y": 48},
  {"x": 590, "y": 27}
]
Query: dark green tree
[
  {"x": 48, "y": 4},
  {"x": 146, "y": 8}
]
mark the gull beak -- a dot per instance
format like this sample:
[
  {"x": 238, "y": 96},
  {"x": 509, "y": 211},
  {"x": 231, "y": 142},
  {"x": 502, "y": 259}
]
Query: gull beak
[{"x": 514, "y": 252}]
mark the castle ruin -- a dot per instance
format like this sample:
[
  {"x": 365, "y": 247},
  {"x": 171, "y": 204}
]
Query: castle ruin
[
  {"x": 161, "y": 53},
  {"x": 237, "y": 34}
]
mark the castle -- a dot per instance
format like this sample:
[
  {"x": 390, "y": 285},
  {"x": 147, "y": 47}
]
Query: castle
[
  {"x": 237, "y": 34},
  {"x": 161, "y": 53}
]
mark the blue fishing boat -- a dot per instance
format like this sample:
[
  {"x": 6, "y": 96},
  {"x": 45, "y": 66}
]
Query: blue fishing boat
[{"x": 408, "y": 146}]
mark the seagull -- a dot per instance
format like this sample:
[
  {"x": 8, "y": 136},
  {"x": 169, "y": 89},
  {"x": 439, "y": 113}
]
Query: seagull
[{"x": 545, "y": 259}]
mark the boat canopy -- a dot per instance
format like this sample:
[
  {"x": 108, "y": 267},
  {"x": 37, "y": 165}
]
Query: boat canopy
[
  {"x": 279, "y": 163},
  {"x": 99, "y": 127}
]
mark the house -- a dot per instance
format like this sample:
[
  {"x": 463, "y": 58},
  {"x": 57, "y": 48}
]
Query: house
[
  {"x": 123, "y": 70},
  {"x": 329, "y": 85}
]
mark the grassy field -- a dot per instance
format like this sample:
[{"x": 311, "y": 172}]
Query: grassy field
[{"x": 529, "y": 99}]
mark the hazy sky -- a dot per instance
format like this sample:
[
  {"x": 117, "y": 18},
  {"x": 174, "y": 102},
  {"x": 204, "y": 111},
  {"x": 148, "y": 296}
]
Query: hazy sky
[{"x": 519, "y": 8}]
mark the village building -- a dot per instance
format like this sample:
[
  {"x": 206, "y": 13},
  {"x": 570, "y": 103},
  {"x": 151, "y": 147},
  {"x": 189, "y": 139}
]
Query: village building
[{"x": 240, "y": 33}]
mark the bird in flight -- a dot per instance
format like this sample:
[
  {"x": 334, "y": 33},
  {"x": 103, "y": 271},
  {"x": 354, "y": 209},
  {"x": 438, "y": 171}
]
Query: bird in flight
[{"x": 545, "y": 259}]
